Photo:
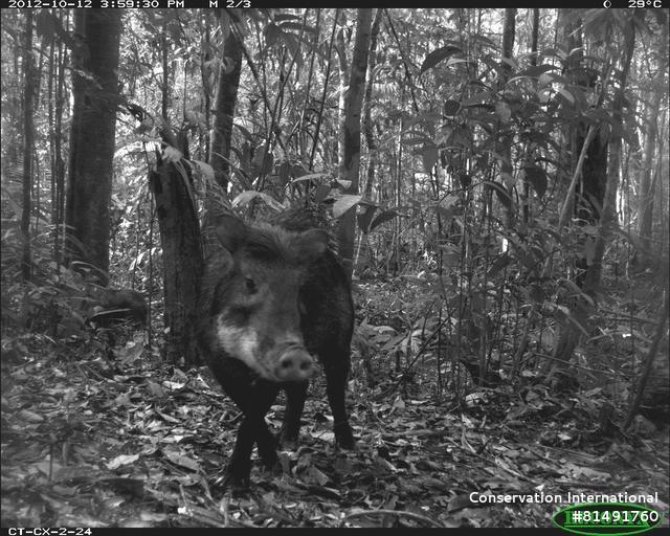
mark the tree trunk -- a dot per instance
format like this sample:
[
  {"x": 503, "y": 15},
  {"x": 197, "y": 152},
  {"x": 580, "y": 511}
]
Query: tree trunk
[
  {"x": 368, "y": 125},
  {"x": 352, "y": 134},
  {"x": 182, "y": 258},
  {"x": 341, "y": 51},
  {"x": 226, "y": 98},
  {"x": 28, "y": 141},
  {"x": 608, "y": 220},
  {"x": 646, "y": 206},
  {"x": 506, "y": 136},
  {"x": 59, "y": 168},
  {"x": 509, "y": 31},
  {"x": 165, "y": 80},
  {"x": 526, "y": 198},
  {"x": 557, "y": 372},
  {"x": 92, "y": 134}
]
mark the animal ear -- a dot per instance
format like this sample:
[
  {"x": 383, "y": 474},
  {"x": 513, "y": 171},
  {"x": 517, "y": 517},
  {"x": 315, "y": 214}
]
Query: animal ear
[
  {"x": 312, "y": 244},
  {"x": 220, "y": 259},
  {"x": 224, "y": 230},
  {"x": 231, "y": 232}
]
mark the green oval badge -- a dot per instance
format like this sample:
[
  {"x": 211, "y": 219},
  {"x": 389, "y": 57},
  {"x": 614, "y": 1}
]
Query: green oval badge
[{"x": 606, "y": 518}]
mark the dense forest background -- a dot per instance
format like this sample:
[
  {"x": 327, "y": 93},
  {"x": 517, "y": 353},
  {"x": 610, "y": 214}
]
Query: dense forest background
[{"x": 496, "y": 183}]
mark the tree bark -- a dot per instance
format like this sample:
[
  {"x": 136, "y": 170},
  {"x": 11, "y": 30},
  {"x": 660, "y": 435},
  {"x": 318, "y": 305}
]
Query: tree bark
[
  {"x": 224, "y": 109},
  {"x": 352, "y": 134},
  {"x": 370, "y": 139},
  {"x": 646, "y": 207},
  {"x": 557, "y": 372},
  {"x": 28, "y": 142},
  {"x": 368, "y": 125},
  {"x": 608, "y": 220},
  {"x": 92, "y": 134},
  {"x": 341, "y": 51},
  {"x": 526, "y": 198},
  {"x": 506, "y": 136},
  {"x": 59, "y": 163},
  {"x": 182, "y": 258}
]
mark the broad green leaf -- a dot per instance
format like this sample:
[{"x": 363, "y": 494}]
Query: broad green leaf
[
  {"x": 536, "y": 70},
  {"x": 567, "y": 95},
  {"x": 206, "y": 170},
  {"x": 436, "y": 56},
  {"x": 502, "y": 194},
  {"x": 344, "y": 204},
  {"x": 311, "y": 176},
  {"x": 364, "y": 217},
  {"x": 383, "y": 217}
]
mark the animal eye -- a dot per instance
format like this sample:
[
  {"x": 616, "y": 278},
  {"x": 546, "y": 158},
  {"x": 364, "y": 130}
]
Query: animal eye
[{"x": 250, "y": 285}]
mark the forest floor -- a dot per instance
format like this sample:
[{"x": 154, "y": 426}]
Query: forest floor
[{"x": 98, "y": 437}]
